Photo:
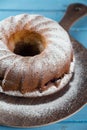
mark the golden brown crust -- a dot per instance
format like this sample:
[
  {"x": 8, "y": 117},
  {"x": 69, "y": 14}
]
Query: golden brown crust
[{"x": 28, "y": 73}]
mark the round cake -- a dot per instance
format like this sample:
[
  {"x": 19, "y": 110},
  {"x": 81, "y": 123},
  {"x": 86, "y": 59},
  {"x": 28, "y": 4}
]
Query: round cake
[{"x": 35, "y": 54}]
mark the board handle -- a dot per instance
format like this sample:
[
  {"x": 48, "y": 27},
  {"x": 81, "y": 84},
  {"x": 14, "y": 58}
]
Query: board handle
[{"x": 73, "y": 13}]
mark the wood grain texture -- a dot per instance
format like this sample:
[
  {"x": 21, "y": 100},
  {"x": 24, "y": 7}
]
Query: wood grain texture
[
  {"x": 73, "y": 13},
  {"x": 54, "y": 9}
]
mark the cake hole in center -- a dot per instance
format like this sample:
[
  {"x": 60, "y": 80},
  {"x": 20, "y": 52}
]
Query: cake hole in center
[
  {"x": 26, "y": 49},
  {"x": 26, "y": 43}
]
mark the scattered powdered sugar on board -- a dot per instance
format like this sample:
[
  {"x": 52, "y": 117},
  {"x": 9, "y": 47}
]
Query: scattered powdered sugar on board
[
  {"x": 41, "y": 112},
  {"x": 51, "y": 89},
  {"x": 35, "y": 110},
  {"x": 45, "y": 109}
]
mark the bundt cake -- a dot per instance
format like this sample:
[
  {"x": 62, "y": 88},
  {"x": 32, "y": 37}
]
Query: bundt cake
[{"x": 35, "y": 52}]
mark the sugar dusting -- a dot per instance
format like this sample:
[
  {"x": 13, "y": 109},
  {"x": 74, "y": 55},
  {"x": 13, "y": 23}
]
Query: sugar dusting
[
  {"x": 46, "y": 109},
  {"x": 42, "y": 110},
  {"x": 52, "y": 88},
  {"x": 56, "y": 54}
]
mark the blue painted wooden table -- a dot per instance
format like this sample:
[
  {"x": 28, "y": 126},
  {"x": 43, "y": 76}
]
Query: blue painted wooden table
[{"x": 54, "y": 9}]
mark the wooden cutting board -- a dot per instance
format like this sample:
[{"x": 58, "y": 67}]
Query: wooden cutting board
[{"x": 32, "y": 112}]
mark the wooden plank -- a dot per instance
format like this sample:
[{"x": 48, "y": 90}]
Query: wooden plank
[
  {"x": 53, "y": 15},
  {"x": 65, "y": 126},
  {"x": 38, "y": 5}
]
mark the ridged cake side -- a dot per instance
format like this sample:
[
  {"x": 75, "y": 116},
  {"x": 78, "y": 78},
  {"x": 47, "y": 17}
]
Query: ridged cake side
[{"x": 29, "y": 73}]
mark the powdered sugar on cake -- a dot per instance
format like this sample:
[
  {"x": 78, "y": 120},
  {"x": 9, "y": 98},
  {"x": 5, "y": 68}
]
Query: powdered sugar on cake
[
  {"x": 52, "y": 89},
  {"x": 41, "y": 68}
]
